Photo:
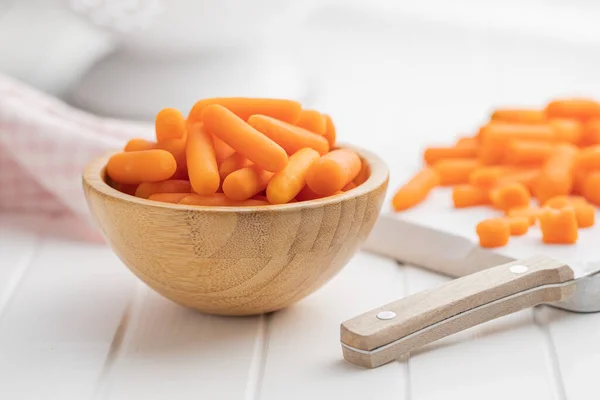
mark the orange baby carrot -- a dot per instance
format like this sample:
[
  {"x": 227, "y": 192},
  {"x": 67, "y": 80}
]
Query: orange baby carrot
[
  {"x": 467, "y": 141},
  {"x": 567, "y": 130},
  {"x": 591, "y": 188},
  {"x": 141, "y": 166},
  {"x": 306, "y": 194},
  {"x": 432, "y": 155},
  {"x": 590, "y": 133},
  {"x": 139, "y": 144},
  {"x": 329, "y": 131},
  {"x": 555, "y": 178},
  {"x": 589, "y": 158},
  {"x": 526, "y": 152},
  {"x": 124, "y": 188},
  {"x": 222, "y": 149},
  {"x": 233, "y": 163},
  {"x": 558, "y": 226},
  {"x": 177, "y": 148},
  {"x": 219, "y": 199},
  {"x": 564, "y": 201},
  {"x": 201, "y": 161},
  {"x": 518, "y": 225},
  {"x": 416, "y": 189},
  {"x": 348, "y": 187},
  {"x": 519, "y": 115},
  {"x": 487, "y": 177},
  {"x": 286, "y": 184},
  {"x": 526, "y": 177},
  {"x": 291, "y": 138},
  {"x": 510, "y": 195},
  {"x": 531, "y": 213},
  {"x": 493, "y": 232},
  {"x": 313, "y": 121},
  {"x": 168, "y": 197},
  {"x": 333, "y": 171},
  {"x": 505, "y": 132},
  {"x": 363, "y": 175},
  {"x": 455, "y": 171},
  {"x": 577, "y": 108},
  {"x": 246, "y": 182},
  {"x": 585, "y": 214},
  {"x": 246, "y": 140},
  {"x": 169, "y": 124},
  {"x": 469, "y": 196},
  {"x": 147, "y": 189},
  {"x": 244, "y": 107}
]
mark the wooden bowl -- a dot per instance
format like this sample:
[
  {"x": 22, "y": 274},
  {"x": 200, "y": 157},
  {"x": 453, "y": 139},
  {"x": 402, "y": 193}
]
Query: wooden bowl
[{"x": 236, "y": 260}]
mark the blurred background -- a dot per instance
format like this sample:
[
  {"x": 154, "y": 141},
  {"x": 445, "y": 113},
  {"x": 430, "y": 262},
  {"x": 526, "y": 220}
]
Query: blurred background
[{"x": 394, "y": 74}]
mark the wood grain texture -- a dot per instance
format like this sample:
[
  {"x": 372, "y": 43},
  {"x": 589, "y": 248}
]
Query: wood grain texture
[
  {"x": 236, "y": 260},
  {"x": 430, "y": 315}
]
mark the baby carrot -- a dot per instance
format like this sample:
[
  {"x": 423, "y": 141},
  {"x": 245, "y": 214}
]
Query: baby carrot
[
  {"x": 493, "y": 232},
  {"x": 564, "y": 201},
  {"x": 567, "y": 130},
  {"x": 363, "y": 175},
  {"x": 519, "y": 115},
  {"x": 306, "y": 194},
  {"x": 526, "y": 152},
  {"x": 177, "y": 148},
  {"x": 246, "y": 182},
  {"x": 219, "y": 199},
  {"x": 222, "y": 149},
  {"x": 591, "y": 188},
  {"x": 170, "y": 124},
  {"x": 558, "y": 226},
  {"x": 124, "y": 188},
  {"x": 416, "y": 189},
  {"x": 349, "y": 186},
  {"x": 585, "y": 214},
  {"x": 526, "y": 177},
  {"x": 333, "y": 171},
  {"x": 147, "y": 189},
  {"x": 201, "y": 161},
  {"x": 469, "y": 196},
  {"x": 455, "y": 171},
  {"x": 244, "y": 107},
  {"x": 518, "y": 225},
  {"x": 505, "y": 132},
  {"x": 329, "y": 131},
  {"x": 510, "y": 195},
  {"x": 591, "y": 132},
  {"x": 432, "y": 155},
  {"x": 467, "y": 141},
  {"x": 168, "y": 197},
  {"x": 589, "y": 158},
  {"x": 487, "y": 177},
  {"x": 139, "y": 144},
  {"x": 555, "y": 177},
  {"x": 291, "y": 138},
  {"x": 577, "y": 108},
  {"x": 141, "y": 166},
  {"x": 286, "y": 184},
  {"x": 233, "y": 163},
  {"x": 313, "y": 121},
  {"x": 246, "y": 140},
  {"x": 531, "y": 213}
]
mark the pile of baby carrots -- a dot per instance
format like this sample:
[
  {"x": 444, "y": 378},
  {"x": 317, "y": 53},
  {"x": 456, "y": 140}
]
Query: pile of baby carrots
[
  {"x": 238, "y": 152},
  {"x": 550, "y": 154}
]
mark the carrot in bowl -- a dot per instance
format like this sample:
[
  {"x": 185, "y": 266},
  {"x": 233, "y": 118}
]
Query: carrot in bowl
[
  {"x": 233, "y": 163},
  {"x": 416, "y": 189},
  {"x": 330, "y": 173},
  {"x": 244, "y": 107},
  {"x": 168, "y": 197},
  {"x": 246, "y": 182},
  {"x": 245, "y": 139},
  {"x": 313, "y": 121},
  {"x": 141, "y": 166},
  {"x": 170, "y": 124},
  {"x": 219, "y": 199},
  {"x": 286, "y": 184},
  {"x": 177, "y": 148},
  {"x": 139, "y": 145},
  {"x": 329, "y": 131},
  {"x": 147, "y": 189},
  {"x": 201, "y": 161}
]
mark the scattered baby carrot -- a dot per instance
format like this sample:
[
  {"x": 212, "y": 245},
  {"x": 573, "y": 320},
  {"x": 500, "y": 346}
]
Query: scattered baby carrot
[
  {"x": 139, "y": 145},
  {"x": 455, "y": 171},
  {"x": 244, "y": 107},
  {"x": 170, "y": 124},
  {"x": 526, "y": 177},
  {"x": 291, "y": 138},
  {"x": 558, "y": 226},
  {"x": 493, "y": 232},
  {"x": 416, "y": 189},
  {"x": 168, "y": 197},
  {"x": 286, "y": 184},
  {"x": 246, "y": 182},
  {"x": 467, "y": 141},
  {"x": 577, "y": 108},
  {"x": 589, "y": 158},
  {"x": 233, "y": 163},
  {"x": 245, "y": 139},
  {"x": 147, "y": 189},
  {"x": 505, "y": 132},
  {"x": 528, "y": 152},
  {"x": 141, "y": 166},
  {"x": 564, "y": 201},
  {"x": 201, "y": 161},
  {"x": 333, "y": 171},
  {"x": 585, "y": 214},
  {"x": 219, "y": 199},
  {"x": 567, "y": 130},
  {"x": 518, "y": 225},
  {"x": 329, "y": 131},
  {"x": 519, "y": 115},
  {"x": 488, "y": 176},
  {"x": 531, "y": 213},
  {"x": 591, "y": 188},
  {"x": 312, "y": 121},
  {"x": 434, "y": 154},
  {"x": 590, "y": 134},
  {"x": 510, "y": 195},
  {"x": 555, "y": 178},
  {"x": 469, "y": 196}
]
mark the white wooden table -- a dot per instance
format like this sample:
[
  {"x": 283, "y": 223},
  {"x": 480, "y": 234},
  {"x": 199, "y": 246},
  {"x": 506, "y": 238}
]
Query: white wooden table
[{"x": 75, "y": 324}]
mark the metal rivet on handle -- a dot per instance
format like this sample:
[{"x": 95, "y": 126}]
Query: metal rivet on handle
[
  {"x": 386, "y": 315},
  {"x": 518, "y": 269}
]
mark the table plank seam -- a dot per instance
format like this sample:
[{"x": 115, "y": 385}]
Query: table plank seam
[
  {"x": 256, "y": 371},
  {"x": 559, "y": 388}
]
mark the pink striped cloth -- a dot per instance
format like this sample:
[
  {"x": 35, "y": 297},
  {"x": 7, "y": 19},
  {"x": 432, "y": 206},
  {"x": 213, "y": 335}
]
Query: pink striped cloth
[{"x": 44, "y": 146}]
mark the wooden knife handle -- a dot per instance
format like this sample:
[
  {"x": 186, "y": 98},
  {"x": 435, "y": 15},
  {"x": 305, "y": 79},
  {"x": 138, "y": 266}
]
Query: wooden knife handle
[{"x": 371, "y": 340}]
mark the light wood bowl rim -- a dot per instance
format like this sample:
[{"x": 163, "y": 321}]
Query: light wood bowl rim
[{"x": 93, "y": 176}]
